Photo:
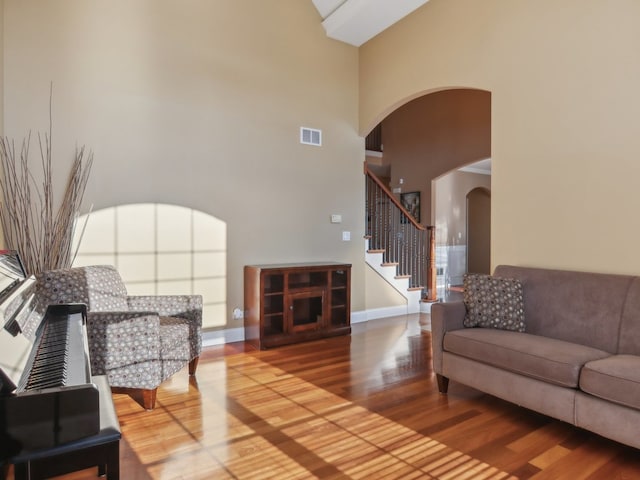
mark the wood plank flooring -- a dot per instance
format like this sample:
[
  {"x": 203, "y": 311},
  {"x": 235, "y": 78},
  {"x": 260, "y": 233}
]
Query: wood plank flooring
[{"x": 359, "y": 406}]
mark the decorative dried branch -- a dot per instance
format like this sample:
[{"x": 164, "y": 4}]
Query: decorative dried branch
[{"x": 42, "y": 236}]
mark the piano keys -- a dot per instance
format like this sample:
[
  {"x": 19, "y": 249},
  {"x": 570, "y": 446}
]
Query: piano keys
[
  {"x": 61, "y": 354},
  {"x": 46, "y": 394}
]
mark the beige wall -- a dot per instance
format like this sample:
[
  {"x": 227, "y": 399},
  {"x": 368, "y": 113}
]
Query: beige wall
[
  {"x": 479, "y": 231},
  {"x": 435, "y": 134},
  {"x": 450, "y": 199},
  {"x": 379, "y": 294},
  {"x": 452, "y": 239},
  {"x": 1, "y": 89},
  {"x": 199, "y": 103},
  {"x": 563, "y": 78},
  {"x": 1, "y": 75}
]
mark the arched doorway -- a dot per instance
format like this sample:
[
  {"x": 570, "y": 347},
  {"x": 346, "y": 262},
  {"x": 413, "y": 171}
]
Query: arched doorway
[
  {"x": 452, "y": 193},
  {"x": 424, "y": 139},
  {"x": 479, "y": 231}
]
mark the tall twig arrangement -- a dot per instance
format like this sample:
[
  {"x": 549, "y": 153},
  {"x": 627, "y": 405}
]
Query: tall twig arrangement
[{"x": 42, "y": 236}]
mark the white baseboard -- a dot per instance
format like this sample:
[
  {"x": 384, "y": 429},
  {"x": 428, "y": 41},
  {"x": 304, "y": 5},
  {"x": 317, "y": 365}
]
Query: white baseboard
[
  {"x": 230, "y": 335},
  {"x": 220, "y": 337},
  {"x": 425, "y": 307},
  {"x": 383, "y": 312},
  {"x": 358, "y": 317}
]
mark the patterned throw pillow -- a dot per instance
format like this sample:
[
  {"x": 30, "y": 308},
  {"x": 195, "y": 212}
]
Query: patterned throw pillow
[{"x": 493, "y": 302}]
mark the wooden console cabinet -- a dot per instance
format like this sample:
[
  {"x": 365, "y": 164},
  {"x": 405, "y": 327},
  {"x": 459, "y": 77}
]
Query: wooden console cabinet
[{"x": 290, "y": 303}]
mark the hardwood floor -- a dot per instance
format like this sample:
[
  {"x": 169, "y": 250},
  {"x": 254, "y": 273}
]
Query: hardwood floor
[{"x": 359, "y": 406}]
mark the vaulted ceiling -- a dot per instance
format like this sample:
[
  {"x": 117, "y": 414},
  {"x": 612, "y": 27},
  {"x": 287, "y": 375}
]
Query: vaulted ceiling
[{"x": 357, "y": 21}]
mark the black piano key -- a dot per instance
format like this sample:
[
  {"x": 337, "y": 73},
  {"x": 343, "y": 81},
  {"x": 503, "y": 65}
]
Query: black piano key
[
  {"x": 49, "y": 367},
  {"x": 44, "y": 372},
  {"x": 59, "y": 356}
]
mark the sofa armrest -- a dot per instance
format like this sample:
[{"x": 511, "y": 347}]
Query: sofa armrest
[
  {"x": 183, "y": 306},
  {"x": 444, "y": 317},
  {"x": 119, "y": 339}
]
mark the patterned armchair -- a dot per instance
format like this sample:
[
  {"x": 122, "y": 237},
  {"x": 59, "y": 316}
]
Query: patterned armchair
[{"x": 137, "y": 341}]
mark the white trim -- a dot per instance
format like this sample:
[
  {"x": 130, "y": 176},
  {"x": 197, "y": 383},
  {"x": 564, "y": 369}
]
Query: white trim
[
  {"x": 475, "y": 170},
  {"x": 425, "y": 307},
  {"x": 230, "y": 335},
  {"x": 358, "y": 317},
  {"x": 383, "y": 312},
  {"x": 356, "y": 21},
  {"x": 372, "y": 153},
  {"x": 483, "y": 167},
  {"x": 220, "y": 337}
]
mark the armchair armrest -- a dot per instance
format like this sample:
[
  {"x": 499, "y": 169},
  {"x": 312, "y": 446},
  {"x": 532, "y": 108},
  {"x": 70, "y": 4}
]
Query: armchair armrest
[
  {"x": 183, "y": 306},
  {"x": 119, "y": 339},
  {"x": 444, "y": 317}
]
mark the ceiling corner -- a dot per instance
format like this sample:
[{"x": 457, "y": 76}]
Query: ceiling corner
[{"x": 357, "y": 21}]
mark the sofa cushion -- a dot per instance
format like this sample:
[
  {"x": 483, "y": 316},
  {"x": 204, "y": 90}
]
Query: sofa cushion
[
  {"x": 578, "y": 307},
  {"x": 616, "y": 379},
  {"x": 493, "y": 302},
  {"x": 547, "y": 359}
]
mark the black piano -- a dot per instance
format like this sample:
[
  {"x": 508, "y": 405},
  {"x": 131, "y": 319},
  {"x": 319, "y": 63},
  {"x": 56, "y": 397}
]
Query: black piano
[{"x": 49, "y": 402}]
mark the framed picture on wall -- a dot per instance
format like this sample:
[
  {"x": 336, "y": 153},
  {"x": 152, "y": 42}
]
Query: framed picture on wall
[{"x": 411, "y": 202}]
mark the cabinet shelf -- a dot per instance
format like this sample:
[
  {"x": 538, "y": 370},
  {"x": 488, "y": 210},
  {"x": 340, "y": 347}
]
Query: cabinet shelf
[
  {"x": 290, "y": 303},
  {"x": 301, "y": 287}
]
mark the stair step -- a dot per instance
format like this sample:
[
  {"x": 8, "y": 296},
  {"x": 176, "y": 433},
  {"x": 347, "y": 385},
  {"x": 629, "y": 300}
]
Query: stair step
[{"x": 399, "y": 282}]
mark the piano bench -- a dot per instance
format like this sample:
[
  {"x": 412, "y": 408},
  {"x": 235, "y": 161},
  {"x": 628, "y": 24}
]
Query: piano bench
[{"x": 101, "y": 450}]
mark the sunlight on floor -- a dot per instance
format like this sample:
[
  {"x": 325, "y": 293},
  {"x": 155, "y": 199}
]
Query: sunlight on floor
[{"x": 262, "y": 422}]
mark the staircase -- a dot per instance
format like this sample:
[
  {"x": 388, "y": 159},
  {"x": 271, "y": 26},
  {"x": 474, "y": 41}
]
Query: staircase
[{"x": 397, "y": 247}]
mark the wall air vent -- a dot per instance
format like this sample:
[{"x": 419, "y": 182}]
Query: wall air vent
[{"x": 310, "y": 136}]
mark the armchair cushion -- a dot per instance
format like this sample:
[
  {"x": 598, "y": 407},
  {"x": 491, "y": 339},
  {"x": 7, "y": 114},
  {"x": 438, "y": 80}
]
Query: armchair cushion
[
  {"x": 177, "y": 307},
  {"x": 118, "y": 339}
]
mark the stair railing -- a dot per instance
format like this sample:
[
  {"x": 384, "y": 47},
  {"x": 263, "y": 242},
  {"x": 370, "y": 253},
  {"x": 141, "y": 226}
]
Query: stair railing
[{"x": 392, "y": 230}]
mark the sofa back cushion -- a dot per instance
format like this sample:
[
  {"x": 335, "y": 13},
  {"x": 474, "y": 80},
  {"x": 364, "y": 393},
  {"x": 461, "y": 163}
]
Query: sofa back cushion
[
  {"x": 629, "y": 342},
  {"x": 579, "y": 307}
]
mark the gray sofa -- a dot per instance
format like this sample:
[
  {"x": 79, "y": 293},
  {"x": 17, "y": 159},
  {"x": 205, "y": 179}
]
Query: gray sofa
[{"x": 578, "y": 359}]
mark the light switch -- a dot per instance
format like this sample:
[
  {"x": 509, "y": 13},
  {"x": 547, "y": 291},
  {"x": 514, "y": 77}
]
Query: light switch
[
  {"x": 336, "y": 218},
  {"x": 346, "y": 236}
]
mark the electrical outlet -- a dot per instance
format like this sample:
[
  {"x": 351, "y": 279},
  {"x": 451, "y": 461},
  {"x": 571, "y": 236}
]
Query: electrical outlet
[{"x": 238, "y": 314}]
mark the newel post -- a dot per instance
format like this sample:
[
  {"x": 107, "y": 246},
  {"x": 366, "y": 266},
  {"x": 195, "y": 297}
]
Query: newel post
[{"x": 432, "y": 293}]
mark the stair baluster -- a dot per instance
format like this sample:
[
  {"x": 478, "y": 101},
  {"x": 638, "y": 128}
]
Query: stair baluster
[{"x": 405, "y": 242}]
